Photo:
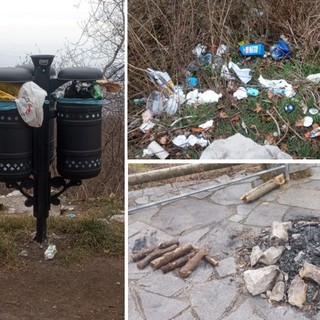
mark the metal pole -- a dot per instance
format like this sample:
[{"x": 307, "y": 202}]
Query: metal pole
[
  {"x": 221, "y": 185},
  {"x": 41, "y": 173}
]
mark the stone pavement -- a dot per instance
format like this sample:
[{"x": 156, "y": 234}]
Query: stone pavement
[{"x": 219, "y": 221}]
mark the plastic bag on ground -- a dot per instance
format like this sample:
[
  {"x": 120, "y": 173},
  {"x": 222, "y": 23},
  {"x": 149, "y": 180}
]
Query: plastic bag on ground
[
  {"x": 240, "y": 147},
  {"x": 315, "y": 78},
  {"x": 281, "y": 50},
  {"x": 162, "y": 80},
  {"x": 278, "y": 86},
  {"x": 241, "y": 93},
  {"x": 30, "y": 103},
  {"x": 243, "y": 74}
]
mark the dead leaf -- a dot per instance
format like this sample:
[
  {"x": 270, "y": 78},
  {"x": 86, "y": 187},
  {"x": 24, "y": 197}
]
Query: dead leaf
[
  {"x": 235, "y": 118},
  {"x": 196, "y": 130},
  {"x": 266, "y": 118},
  {"x": 315, "y": 126},
  {"x": 299, "y": 123},
  {"x": 258, "y": 108},
  {"x": 270, "y": 94},
  {"x": 284, "y": 147},
  {"x": 164, "y": 140},
  {"x": 223, "y": 115},
  {"x": 269, "y": 138}
]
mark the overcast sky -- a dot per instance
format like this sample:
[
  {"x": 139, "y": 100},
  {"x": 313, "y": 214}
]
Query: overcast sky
[{"x": 38, "y": 26}]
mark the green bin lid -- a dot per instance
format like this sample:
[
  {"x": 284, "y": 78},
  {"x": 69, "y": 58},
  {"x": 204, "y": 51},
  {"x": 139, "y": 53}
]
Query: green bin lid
[
  {"x": 19, "y": 75},
  {"x": 80, "y": 73}
]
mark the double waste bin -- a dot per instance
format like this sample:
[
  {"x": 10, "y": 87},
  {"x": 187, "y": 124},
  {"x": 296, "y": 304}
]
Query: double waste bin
[{"x": 78, "y": 129}]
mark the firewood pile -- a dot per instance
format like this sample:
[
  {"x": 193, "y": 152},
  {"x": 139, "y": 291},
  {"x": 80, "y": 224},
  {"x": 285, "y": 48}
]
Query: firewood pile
[{"x": 169, "y": 256}]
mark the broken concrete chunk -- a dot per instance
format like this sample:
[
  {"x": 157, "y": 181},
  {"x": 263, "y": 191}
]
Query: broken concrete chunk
[
  {"x": 299, "y": 257},
  {"x": 278, "y": 234},
  {"x": 261, "y": 280},
  {"x": 310, "y": 272},
  {"x": 297, "y": 292},
  {"x": 256, "y": 253},
  {"x": 277, "y": 292},
  {"x": 271, "y": 256}
]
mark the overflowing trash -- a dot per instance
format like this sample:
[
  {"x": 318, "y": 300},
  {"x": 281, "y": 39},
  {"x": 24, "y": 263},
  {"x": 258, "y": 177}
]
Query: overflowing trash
[{"x": 230, "y": 92}]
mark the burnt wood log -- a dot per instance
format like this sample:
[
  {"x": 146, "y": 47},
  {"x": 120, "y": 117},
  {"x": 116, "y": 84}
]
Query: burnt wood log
[
  {"x": 143, "y": 253},
  {"x": 153, "y": 255},
  {"x": 170, "y": 256},
  {"x": 177, "y": 263},
  {"x": 186, "y": 270}
]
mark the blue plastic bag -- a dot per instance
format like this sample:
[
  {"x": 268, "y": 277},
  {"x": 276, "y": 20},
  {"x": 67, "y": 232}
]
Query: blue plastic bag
[{"x": 281, "y": 50}]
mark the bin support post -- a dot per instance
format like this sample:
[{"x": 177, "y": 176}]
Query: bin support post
[{"x": 41, "y": 172}]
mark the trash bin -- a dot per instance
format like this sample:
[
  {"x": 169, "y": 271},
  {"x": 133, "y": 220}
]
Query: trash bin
[
  {"x": 16, "y": 137},
  {"x": 79, "y": 130}
]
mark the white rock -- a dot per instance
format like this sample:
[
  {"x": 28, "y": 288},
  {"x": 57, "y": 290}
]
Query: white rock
[
  {"x": 256, "y": 253},
  {"x": 278, "y": 233},
  {"x": 297, "y": 292},
  {"x": 277, "y": 292},
  {"x": 271, "y": 256},
  {"x": 260, "y": 280}
]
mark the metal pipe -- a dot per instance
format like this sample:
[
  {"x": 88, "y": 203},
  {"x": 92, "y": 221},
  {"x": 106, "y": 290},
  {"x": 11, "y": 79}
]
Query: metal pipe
[{"x": 282, "y": 167}]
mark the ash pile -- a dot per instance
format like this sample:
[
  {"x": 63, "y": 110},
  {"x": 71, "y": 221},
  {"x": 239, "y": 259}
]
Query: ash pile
[{"x": 284, "y": 264}]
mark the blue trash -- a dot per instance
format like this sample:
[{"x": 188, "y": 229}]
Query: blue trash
[
  {"x": 281, "y": 50},
  {"x": 192, "y": 82},
  {"x": 252, "y": 92},
  {"x": 251, "y": 50}
]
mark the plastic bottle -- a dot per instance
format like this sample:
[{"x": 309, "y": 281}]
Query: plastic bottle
[
  {"x": 249, "y": 50},
  {"x": 50, "y": 252}
]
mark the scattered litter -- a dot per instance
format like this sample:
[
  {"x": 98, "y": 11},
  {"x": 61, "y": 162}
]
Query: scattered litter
[
  {"x": 147, "y": 126},
  {"x": 183, "y": 142},
  {"x": 139, "y": 101},
  {"x": 313, "y": 134},
  {"x": 225, "y": 73},
  {"x": 147, "y": 115},
  {"x": 222, "y": 49},
  {"x": 154, "y": 148},
  {"x": 192, "y": 82},
  {"x": 243, "y": 74},
  {"x": 315, "y": 78},
  {"x": 313, "y": 111},
  {"x": 281, "y": 50},
  {"x": 251, "y": 50},
  {"x": 289, "y": 108},
  {"x": 241, "y": 93},
  {"x": 162, "y": 80},
  {"x": 199, "y": 50},
  {"x": 252, "y": 92},
  {"x": 71, "y": 215},
  {"x": 50, "y": 252},
  {"x": 278, "y": 86},
  {"x": 23, "y": 253},
  {"x": 196, "y": 97},
  {"x": 308, "y": 121},
  {"x": 155, "y": 102},
  {"x": 207, "y": 124},
  {"x": 178, "y": 120}
]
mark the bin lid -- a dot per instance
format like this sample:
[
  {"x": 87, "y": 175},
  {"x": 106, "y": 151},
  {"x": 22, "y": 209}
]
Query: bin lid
[
  {"x": 78, "y": 101},
  {"x": 30, "y": 67},
  {"x": 10, "y": 74},
  {"x": 80, "y": 73}
]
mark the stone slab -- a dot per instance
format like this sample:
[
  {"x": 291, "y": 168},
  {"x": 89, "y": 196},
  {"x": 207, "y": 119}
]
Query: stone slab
[
  {"x": 294, "y": 213},
  {"x": 143, "y": 215},
  {"x": 231, "y": 195},
  {"x": 211, "y": 299},
  {"x": 302, "y": 198},
  {"x": 236, "y": 218},
  {"x": 315, "y": 173},
  {"x": 163, "y": 284},
  {"x": 226, "y": 267},
  {"x": 245, "y": 208},
  {"x": 157, "y": 307},
  {"x": 244, "y": 311},
  {"x": 193, "y": 236},
  {"x": 265, "y": 213},
  {"x": 133, "y": 307},
  {"x": 189, "y": 214}
]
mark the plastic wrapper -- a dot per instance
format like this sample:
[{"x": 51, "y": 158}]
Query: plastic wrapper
[
  {"x": 278, "y": 86},
  {"x": 243, "y": 74},
  {"x": 281, "y": 50}
]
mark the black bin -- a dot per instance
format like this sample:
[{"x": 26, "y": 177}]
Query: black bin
[
  {"x": 16, "y": 137},
  {"x": 79, "y": 130}
]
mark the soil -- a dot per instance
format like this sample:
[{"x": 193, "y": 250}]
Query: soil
[{"x": 50, "y": 290}]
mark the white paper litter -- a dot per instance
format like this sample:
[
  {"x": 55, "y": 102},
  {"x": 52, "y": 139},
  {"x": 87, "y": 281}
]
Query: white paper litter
[
  {"x": 315, "y": 78},
  {"x": 209, "y": 96},
  {"x": 278, "y": 86},
  {"x": 207, "y": 124},
  {"x": 241, "y": 93},
  {"x": 147, "y": 126},
  {"x": 183, "y": 142},
  {"x": 243, "y": 74}
]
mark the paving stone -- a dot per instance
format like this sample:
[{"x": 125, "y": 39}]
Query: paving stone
[
  {"x": 193, "y": 236},
  {"x": 226, "y": 267},
  {"x": 133, "y": 308},
  {"x": 315, "y": 173},
  {"x": 156, "y": 307},
  {"x": 236, "y": 218},
  {"x": 243, "y": 312},
  {"x": 312, "y": 185},
  {"x": 246, "y": 208},
  {"x": 265, "y": 213},
  {"x": 294, "y": 213},
  {"x": 186, "y": 315},
  {"x": 142, "y": 200},
  {"x": 202, "y": 195},
  {"x": 163, "y": 284},
  {"x": 231, "y": 195},
  {"x": 211, "y": 299},
  {"x": 135, "y": 274},
  {"x": 188, "y": 214},
  {"x": 300, "y": 198},
  {"x": 201, "y": 274},
  {"x": 144, "y": 215}
]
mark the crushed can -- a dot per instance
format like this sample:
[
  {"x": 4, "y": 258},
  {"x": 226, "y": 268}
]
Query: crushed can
[{"x": 50, "y": 252}]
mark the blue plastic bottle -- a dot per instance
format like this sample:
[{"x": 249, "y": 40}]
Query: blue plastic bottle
[{"x": 249, "y": 50}]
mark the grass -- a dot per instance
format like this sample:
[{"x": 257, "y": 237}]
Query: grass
[
  {"x": 259, "y": 124},
  {"x": 88, "y": 234}
]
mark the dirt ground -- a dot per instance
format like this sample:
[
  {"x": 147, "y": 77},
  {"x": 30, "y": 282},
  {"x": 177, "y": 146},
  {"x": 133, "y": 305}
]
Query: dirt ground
[{"x": 50, "y": 290}]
